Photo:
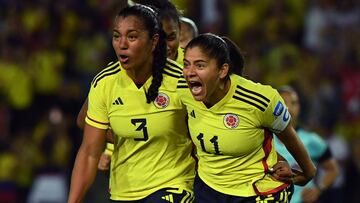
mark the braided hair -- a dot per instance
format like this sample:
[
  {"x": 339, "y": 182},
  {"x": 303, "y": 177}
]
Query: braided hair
[{"x": 149, "y": 16}]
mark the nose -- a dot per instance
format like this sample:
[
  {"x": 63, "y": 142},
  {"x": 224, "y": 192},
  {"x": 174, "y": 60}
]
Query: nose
[
  {"x": 123, "y": 44},
  {"x": 189, "y": 71}
]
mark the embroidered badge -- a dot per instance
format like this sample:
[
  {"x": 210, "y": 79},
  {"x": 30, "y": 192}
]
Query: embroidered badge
[
  {"x": 231, "y": 120},
  {"x": 162, "y": 101}
]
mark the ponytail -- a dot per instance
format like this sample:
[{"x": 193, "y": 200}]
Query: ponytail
[
  {"x": 158, "y": 67},
  {"x": 236, "y": 57},
  {"x": 150, "y": 18}
]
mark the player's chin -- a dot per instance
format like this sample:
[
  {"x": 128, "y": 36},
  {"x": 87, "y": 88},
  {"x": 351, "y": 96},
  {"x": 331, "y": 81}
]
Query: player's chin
[
  {"x": 126, "y": 66},
  {"x": 171, "y": 55},
  {"x": 199, "y": 97}
]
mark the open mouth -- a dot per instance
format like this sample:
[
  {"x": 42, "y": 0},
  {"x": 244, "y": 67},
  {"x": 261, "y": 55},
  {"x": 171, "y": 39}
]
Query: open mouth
[
  {"x": 195, "y": 87},
  {"x": 123, "y": 58}
]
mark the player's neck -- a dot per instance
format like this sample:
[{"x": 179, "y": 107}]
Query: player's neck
[
  {"x": 218, "y": 94},
  {"x": 140, "y": 75}
]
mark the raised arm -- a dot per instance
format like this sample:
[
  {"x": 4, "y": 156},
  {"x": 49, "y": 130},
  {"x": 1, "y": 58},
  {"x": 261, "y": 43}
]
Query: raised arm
[
  {"x": 297, "y": 149},
  {"x": 86, "y": 163}
]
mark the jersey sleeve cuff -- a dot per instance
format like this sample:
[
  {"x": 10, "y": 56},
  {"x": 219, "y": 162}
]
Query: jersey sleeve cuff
[{"x": 96, "y": 124}]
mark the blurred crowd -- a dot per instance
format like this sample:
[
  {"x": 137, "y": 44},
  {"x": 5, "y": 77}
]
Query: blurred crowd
[{"x": 50, "y": 50}]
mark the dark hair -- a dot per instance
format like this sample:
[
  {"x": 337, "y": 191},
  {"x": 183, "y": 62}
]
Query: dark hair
[
  {"x": 220, "y": 48},
  {"x": 167, "y": 10},
  {"x": 149, "y": 17}
]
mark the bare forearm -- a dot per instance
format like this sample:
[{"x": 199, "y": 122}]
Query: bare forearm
[
  {"x": 302, "y": 157},
  {"x": 298, "y": 151},
  {"x": 83, "y": 175}
]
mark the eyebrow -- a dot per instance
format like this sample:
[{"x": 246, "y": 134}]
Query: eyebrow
[
  {"x": 197, "y": 61},
  {"x": 132, "y": 30}
]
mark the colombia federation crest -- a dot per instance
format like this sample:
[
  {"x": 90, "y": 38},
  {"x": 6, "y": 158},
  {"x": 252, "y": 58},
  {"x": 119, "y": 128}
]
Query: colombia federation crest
[
  {"x": 162, "y": 101},
  {"x": 231, "y": 120}
]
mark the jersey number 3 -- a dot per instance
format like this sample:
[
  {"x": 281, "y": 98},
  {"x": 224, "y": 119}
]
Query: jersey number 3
[{"x": 141, "y": 123}]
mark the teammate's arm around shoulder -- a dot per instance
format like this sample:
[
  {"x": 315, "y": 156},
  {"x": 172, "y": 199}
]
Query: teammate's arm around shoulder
[
  {"x": 297, "y": 149},
  {"x": 86, "y": 163}
]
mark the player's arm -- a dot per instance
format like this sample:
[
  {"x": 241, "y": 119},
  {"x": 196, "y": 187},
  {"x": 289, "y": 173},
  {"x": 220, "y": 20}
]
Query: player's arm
[
  {"x": 104, "y": 162},
  {"x": 86, "y": 162},
  {"x": 80, "y": 120},
  {"x": 297, "y": 149}
]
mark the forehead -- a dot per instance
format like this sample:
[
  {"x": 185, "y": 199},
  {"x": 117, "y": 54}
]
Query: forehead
[
  {"x": 289, "y": 96},
  {"x": 196, "y": 53},
  {"x": 169, "y": 25},
  {"x": 185, "y": 26},
  {"x": 130, "y": 22}
]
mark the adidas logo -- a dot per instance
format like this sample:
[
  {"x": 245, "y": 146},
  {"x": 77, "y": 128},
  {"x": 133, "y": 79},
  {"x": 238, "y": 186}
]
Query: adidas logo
[
  {"x": 118, "y": 101},
  {"x": 192, "y": 114},
  {"x": 168, "y": 198}
]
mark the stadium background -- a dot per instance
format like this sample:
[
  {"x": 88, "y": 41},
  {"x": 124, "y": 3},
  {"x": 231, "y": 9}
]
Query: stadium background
[{"x": 50, "y": 50}]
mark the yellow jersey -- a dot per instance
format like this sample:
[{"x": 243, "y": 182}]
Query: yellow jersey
[
  {"x": 180, "y": 56},
  {"x": 234, "y": 139},
  {"x": 152, "y": 149}
]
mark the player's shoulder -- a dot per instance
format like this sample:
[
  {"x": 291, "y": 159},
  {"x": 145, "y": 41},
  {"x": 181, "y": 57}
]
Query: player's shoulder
[
  {"x": 107, "y": 73},
  {"x": 253, "y": 93},
  {"x": 180, "y": 55},
  {"x": 172, "y": 72},
  {"x": 173, "y": 69},
  {"x": 256, "y": 87}
]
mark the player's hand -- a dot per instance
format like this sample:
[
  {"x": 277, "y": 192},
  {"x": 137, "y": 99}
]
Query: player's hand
[
  {"x": 310, "y": 195},
  {"x": 281, "y": 171},
  {"x": 104, "y": 162},
  {"x": 110, "y": 136}
]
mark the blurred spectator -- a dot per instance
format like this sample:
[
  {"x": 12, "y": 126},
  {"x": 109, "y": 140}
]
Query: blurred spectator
[
  {"x": 50, "y": 181},
  {"x": 8, "y": 164},
  {"x": 337, "y": 144},
  {"x": 210, "y": 15},
  {"x": 352, "y": 189}
]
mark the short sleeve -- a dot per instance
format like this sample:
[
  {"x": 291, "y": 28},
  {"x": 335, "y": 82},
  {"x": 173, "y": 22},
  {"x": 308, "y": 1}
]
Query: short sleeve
[
  {"x": 276, "y": 116},
  {"x": 97, "y": 115}
]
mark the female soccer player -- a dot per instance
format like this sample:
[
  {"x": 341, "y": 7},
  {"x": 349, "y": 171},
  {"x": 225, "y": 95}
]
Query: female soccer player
[
  {"x": 232, "y": 121},
  {"x": 136, "y": 96},
  {"x": 170, "y": 20},
  {"x": 169, "y": 17}
]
